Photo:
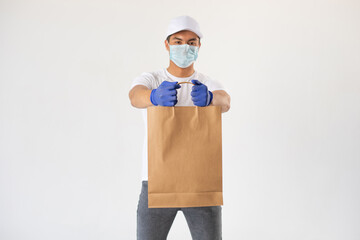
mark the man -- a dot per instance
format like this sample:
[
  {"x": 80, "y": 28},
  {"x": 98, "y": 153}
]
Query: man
[{"x": 161, "y": 88}]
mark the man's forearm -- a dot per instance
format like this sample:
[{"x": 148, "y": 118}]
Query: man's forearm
[
  {"x": 140, "y": 97},
  {"x": 221, "y": 98}
]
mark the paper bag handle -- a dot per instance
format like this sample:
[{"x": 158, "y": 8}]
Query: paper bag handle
[{"x": 186, "y": 82}]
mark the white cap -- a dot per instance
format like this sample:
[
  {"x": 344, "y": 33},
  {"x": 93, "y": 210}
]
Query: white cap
[{"x": 183, "y": 23}]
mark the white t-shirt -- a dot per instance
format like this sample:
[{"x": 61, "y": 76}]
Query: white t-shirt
[{"x": 152, "y": 80}]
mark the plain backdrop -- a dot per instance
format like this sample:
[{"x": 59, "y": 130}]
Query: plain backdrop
[{"x": 71, "y": 143}]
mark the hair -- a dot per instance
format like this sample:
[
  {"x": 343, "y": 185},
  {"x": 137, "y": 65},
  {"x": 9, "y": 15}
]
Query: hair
[{"x": 168, "y": 38}]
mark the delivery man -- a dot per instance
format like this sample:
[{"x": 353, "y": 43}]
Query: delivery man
[{"x": 161, "y": 88}]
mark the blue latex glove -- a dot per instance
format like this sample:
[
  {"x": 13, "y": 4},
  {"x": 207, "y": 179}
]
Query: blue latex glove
[
  {"x": 165, "y": 94},
  {"x": 200, "y": 95}
]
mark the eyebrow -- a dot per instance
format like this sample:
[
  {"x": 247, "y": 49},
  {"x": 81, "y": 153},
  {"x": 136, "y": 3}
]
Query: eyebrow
[{"x": 193, "y": 39}]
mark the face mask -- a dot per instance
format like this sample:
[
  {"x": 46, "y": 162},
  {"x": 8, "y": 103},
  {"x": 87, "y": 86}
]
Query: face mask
[{"x": 183, "y": 55}]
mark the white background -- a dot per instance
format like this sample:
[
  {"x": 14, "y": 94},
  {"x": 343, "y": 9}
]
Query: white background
[{"x": 70, "y": 142}]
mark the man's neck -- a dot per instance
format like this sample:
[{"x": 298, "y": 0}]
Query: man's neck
[{"x": 180, "y": 72}]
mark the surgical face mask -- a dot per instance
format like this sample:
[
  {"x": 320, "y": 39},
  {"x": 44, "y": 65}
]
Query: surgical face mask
[{"x": 183, "y": 55}]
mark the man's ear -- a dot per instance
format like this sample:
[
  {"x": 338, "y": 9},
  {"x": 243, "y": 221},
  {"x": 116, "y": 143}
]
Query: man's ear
[{"x": 167, "y": 45}]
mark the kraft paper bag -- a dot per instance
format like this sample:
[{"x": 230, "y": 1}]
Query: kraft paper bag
[{"x": 184, "y": 156}]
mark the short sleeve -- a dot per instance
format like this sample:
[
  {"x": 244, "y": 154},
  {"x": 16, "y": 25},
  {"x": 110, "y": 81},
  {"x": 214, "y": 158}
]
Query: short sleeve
[
  {"x": 213, "y": 85},
  {"x": 145, "y": 79}
]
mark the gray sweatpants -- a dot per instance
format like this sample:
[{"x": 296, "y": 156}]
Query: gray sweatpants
[{"x": 155, "y": 223}]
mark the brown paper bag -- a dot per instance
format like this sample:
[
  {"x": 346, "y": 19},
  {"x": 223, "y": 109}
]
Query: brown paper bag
[{"x": 184, "y": 156}]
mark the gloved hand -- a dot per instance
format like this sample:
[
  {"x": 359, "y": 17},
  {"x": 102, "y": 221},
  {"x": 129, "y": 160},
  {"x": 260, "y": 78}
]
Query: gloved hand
[
  {"x": 165, "y": 94},
  {"x": 200, "y": 95}
]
